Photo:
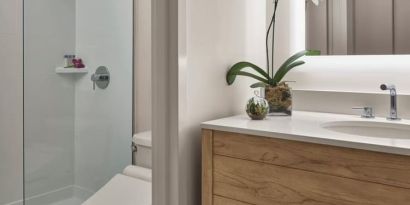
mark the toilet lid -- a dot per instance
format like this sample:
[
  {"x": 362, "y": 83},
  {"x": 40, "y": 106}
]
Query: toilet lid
[
  {"x": 122, "y": 190},
  {"x": 143, "y": 139}
]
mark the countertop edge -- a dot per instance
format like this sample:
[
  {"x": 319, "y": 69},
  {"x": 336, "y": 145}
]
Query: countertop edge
[{"x": 310, "y": 139}]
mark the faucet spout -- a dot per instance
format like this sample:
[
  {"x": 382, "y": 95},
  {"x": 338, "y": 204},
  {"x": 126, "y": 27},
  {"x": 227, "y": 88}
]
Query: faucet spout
[{"x": 393, "y": 101}]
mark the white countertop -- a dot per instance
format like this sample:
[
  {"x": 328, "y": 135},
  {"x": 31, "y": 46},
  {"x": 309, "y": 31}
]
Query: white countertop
[{"x": 307, "y": 127}]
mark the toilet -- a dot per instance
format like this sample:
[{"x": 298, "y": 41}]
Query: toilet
[
  {"x": 133, "y": 185},
  {"x": 143, "y": 154}
]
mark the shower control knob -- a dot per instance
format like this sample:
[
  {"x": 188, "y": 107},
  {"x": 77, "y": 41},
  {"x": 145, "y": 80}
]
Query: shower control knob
[{"x": 101, "y": 77}]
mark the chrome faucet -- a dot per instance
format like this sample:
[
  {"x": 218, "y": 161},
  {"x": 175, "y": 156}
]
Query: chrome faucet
[{"x": 393, "y": 100}]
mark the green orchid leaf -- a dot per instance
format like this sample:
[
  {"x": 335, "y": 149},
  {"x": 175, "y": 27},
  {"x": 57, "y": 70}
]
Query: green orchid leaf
[
  {"x": 242, "y": 73},
  {"x": 289, "y": 65},
  {"x": 238, "y": 67},
  {"x": 258, "y": 85},
  {"x": 264, "y": 77},
  {"x": 293, "y": 59},
  {"x": 283, "y": 71},
  {"x": 313, "y": 53}
]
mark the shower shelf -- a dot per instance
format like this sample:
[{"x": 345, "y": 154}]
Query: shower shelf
[{"x": 62, "y": 70}]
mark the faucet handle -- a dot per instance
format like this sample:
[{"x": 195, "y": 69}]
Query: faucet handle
[
  {"x": 387, "y": 87},
  {"x": 367, "y": 112}
]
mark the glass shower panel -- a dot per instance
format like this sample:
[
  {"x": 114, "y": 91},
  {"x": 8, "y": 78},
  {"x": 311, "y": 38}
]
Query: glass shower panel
[
  {"x": 11, "y": 102},
  {"x": 77, "y": 135}
]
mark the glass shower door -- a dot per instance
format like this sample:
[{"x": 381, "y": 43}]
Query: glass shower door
[
  {"x": 11, "y": 102},
  {"x": 77, "y": 134}
]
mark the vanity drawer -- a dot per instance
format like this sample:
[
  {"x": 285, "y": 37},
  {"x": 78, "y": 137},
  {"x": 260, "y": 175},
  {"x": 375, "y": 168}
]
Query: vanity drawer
[
  {"x": 363, "y": 165},
  {"x": 265, "y": 184},
  {"x": 218, "y": 200}
]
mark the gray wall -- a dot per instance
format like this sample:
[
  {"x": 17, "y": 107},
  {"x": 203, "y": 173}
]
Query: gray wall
[
  {"x": 362, "y": 27},
  {"x": 375, "y": 16},
  {"x": 402, "y": 32},
  {"x": 142, "y": 66}
]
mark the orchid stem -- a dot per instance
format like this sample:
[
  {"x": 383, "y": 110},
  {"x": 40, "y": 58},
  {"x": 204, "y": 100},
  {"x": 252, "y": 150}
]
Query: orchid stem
[
  {"x": 273, "y": 36},
  {"x": 267, "y": 45}
]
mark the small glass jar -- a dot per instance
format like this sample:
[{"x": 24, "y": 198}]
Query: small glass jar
[{"x": 257, "y": 108}]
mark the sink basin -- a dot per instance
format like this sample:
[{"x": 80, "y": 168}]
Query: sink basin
[{"x": 370, "y": 129}]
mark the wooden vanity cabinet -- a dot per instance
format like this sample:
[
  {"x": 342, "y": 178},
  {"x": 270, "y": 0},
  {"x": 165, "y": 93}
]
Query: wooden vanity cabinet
[{"x": 240, "y": 169}]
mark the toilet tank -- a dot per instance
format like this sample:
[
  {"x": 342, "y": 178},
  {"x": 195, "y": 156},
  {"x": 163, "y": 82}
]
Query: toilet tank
[{"x": 143, "y": 153}]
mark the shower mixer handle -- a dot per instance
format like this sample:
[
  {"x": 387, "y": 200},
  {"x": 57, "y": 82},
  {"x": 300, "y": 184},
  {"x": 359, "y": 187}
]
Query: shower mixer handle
[{"x": 101, "y": 77}]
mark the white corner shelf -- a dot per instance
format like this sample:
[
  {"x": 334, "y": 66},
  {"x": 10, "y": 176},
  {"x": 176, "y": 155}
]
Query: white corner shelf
[{"x": 63, "y": 70}]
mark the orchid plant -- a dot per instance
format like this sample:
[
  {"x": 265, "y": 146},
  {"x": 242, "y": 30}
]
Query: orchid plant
[{"x": 268, "y": 77}]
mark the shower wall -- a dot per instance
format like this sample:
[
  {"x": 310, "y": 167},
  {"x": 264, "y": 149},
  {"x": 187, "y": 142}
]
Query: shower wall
[
  {"x": 103, "y": 118},
  {"x": 49, "y": 97},
  {"x": 76, "y": 138},
  {"x": 11, "y": 101}
]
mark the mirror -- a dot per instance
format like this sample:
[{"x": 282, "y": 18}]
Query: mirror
[{"x": 358, "y": 27}]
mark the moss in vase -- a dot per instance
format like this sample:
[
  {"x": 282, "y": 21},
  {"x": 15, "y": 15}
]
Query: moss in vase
[{"x": 279, "y": 98}]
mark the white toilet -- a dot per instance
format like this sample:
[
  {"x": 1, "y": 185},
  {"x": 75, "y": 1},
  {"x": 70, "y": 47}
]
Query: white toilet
[{"x": 133, "y": 186}]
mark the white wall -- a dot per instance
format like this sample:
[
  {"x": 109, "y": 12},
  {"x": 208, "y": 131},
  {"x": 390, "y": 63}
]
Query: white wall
[
  {"x": 290, "y": 29},
  {"x": 49, "y": 98},
  {"x": 11, "y": 101},
  {"x": 215, "y": 35},
  {"x": 142, "y": 66},
  {"x": 360, "y": 74},
  {"x": 342, "y": 102},
  {"x": 103, "y": 118}
]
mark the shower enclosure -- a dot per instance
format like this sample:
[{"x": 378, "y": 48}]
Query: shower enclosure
[{"x": 77, "y": 134}]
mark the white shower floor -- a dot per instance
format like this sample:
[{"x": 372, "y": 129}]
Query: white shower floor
[
  {"x": 70, "y": 195},
  {"x": 70, "y": 201}
]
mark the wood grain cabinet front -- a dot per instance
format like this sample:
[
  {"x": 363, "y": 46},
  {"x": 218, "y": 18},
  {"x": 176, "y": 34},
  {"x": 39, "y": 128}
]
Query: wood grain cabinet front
[{"x": 241, "y": 169}]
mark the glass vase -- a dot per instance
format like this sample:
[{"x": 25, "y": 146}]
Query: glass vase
[{"x": 279, "y": 98}]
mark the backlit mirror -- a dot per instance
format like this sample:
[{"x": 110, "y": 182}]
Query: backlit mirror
[{"x": 358, "y": 27}]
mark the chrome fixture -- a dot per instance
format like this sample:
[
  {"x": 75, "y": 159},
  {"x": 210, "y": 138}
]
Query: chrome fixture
[
  {"x": 134, "y": 149},
  {"x": 393, "y": 100},
  {"x": 101, "y": 77},
  {"x": 367, "y": 112}
]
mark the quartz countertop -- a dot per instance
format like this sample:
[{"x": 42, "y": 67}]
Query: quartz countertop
[{"x": 307, "y": 127}]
